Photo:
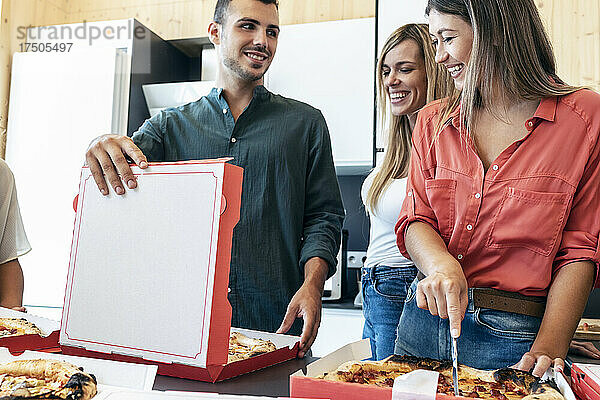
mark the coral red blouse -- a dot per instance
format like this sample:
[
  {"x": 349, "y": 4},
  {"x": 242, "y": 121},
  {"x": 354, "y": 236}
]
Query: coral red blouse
[{"x": 535, "y": 210}]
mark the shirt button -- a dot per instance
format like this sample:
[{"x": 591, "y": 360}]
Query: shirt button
[
  {"x": 477, "y": 195},
  {"x": 224, "y": 111},
  {"x": 469, "y": 227},
  {"x": 460, "y": 256},
  {"x": 530, "y": 124},
  {"x": 495, "y": 167},
  {"x": 233, "y": 140},
  {"x": 409, "y": 193}
]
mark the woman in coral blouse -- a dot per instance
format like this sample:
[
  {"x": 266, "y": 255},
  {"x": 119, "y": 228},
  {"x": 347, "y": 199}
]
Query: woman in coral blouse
[{"x": 501, "y": 214}]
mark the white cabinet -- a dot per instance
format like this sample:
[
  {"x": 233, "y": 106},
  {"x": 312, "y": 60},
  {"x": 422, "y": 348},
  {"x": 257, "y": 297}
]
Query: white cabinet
[
  {"x": 330, "y": 65},
  {"x": 338, "y": 328}
]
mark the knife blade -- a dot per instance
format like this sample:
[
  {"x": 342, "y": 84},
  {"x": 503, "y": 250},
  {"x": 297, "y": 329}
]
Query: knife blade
[{"x": 455, "y": 366}]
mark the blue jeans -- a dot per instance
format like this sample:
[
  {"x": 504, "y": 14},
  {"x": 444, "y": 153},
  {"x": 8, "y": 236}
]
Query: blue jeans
[
  {"x": 384, "y": 290},
  {"x": 489, "y": 339}
]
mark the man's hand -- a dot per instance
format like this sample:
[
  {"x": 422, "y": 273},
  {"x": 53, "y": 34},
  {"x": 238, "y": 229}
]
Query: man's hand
[
  {"x": 106, "y": 156},
  {"x": 306, "y": 303},
  {"x": 586, "y": 349}
]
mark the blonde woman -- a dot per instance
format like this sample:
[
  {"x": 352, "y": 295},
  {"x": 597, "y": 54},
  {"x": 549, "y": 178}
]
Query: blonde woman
[
  {"x": 501, "y": 214},
  {"x": 408, "y": 77}
]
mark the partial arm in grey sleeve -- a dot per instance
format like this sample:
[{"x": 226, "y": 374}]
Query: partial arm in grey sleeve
[{"x": 323, "y": 210}]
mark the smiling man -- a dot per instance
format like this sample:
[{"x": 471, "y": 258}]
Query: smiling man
[{"x": 288, "y": 236}]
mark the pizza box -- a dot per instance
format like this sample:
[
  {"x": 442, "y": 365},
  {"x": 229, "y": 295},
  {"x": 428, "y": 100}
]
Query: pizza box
[
  {"x": 149, "y": 273},
  {"x": 158, "y": 395},
  {"x": 110, "y": 375},
  {"x": 585, "y": 380},
  {"x": 305, "y": 384},
  {"x": 17, "y": 344}
]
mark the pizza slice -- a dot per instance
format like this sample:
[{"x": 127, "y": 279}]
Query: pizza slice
[
  {"x": 45, "y": 379},
  {"x": 588, "y": 329},
  {"x": 242, "y": 347},
  {"x": 502, "y": 384},
  {"x": 18, "y": 327}
]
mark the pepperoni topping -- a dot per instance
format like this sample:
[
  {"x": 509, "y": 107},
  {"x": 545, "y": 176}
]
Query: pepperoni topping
[
  {"x": 388, "y": 382},
  {"x": 4, "y": 331},
  {"x": 497, "y": 395}
]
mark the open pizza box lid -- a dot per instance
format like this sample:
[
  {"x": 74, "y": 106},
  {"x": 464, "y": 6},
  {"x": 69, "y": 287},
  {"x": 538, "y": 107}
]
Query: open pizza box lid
[
  {"x": 149, "y": 272},
  {"x": 585, "y": 380},
  {"x": 305, "y": 384},
  {"x": 16, "y": 344},
  {"x": 110, "y": 375}
]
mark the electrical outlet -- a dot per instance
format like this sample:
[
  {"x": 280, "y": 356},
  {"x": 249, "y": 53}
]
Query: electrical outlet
[{"x": 356, "y": 259}]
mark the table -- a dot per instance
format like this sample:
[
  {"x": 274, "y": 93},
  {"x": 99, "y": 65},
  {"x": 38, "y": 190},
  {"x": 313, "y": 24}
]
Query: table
[{"x": 273, "y": 381}]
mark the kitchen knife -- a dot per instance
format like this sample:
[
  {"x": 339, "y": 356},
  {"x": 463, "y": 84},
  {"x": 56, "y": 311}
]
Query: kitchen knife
[{"x": 455, "y": 366}]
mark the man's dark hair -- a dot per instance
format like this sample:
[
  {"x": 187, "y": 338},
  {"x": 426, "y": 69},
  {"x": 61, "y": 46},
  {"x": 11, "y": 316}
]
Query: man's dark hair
[{"x": 223, "y": 5}]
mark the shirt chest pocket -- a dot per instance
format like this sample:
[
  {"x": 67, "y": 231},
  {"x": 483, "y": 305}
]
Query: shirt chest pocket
[
  {"x": 527, "y": 219},
  {"x": 441, "y": 194}
]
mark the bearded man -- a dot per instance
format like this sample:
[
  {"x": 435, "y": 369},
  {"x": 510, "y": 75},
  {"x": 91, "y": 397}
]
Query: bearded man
[{"x": 286, "y": 242}]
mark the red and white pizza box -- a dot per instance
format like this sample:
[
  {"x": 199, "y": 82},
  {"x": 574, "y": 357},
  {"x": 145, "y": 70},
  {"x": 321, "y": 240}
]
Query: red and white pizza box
[
  {"x": 111, "y": 375},
  {"x": 585, "y": 381},
  {"x": 158, "y": 395},
  {"x": 305, "y": 384},
  {"x": 47, "y": 341},
  {"x": 149, "y": 273}
]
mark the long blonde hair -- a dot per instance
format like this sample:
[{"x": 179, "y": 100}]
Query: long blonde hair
[
  {"x": 511, "y": 58},
  {"x": 397, "y": 128}
]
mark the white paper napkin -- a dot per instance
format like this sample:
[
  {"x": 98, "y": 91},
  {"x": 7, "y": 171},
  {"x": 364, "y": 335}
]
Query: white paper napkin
[{"x": 416, "y": 385}]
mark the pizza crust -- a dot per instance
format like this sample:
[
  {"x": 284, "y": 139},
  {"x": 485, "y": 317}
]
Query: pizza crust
[
  {"x": 546, "y": 391},
  {"x": 61, "y": 380}
]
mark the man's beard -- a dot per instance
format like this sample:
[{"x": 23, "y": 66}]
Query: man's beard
[{"x": 235, "y": 66}]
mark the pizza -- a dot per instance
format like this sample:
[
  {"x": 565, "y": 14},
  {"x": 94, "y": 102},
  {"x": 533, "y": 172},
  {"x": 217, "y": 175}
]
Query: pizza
[
  {"x": 501, "y": 384},
  {"x": 45, "y": 379},
  {"x": 588, "y": 329},
  {"x": 18, "y": 327},
  {"x": 242, "y": 347}
]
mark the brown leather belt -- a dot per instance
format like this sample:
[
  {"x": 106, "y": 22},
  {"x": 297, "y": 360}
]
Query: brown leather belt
[
  {"x": 496, "y": 299},
  {"x": 501, "y": 300}
]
